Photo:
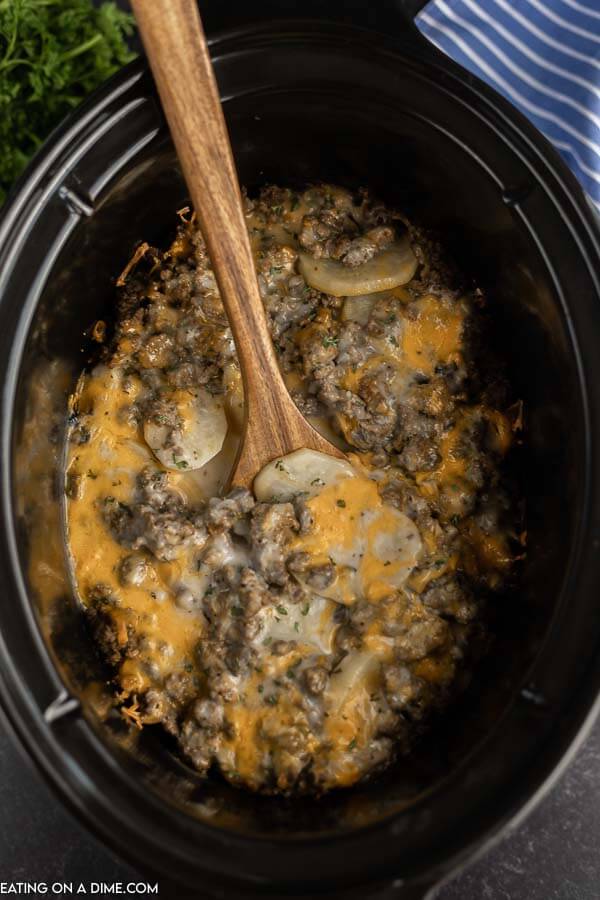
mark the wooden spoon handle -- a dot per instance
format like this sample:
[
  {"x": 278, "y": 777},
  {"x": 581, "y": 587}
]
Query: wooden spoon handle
[{"x": 176, "y": 48}]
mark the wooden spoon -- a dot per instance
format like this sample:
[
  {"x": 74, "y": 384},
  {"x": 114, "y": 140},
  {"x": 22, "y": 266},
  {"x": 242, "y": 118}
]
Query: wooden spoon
[{"x": 176, "y": 48}]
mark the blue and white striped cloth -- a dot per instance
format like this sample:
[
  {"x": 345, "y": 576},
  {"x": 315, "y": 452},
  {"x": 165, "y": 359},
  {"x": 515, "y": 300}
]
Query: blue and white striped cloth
[{"x": 543, "y": 55}]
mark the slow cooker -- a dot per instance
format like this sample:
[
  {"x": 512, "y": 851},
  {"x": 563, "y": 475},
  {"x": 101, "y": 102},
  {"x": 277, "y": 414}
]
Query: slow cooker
[{"x": 354, "y": 95}]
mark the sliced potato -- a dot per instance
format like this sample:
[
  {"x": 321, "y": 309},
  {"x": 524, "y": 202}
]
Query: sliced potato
[
  {"x": 382, "y": 557},
  {"x": 200, "y": 437},
  {"x": 358, "y": 309},
  {"x": 394, "y": 540},
  {"x": 390, "y": 268},
  {"x": 310, "y": 623},
  {"x": 357, "y": 672},
  {"x": 209, "y": 480},
  {"x": 115, "y": 449},
  {"x": 301, "y": 472}
]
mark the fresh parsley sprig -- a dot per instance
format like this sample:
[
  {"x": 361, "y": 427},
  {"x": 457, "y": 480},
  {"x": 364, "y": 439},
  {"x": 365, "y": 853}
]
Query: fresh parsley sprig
[{"x": 52, "y": 54}]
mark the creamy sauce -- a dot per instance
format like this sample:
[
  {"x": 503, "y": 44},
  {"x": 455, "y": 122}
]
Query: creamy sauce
[{"x": 107, "y": 466}]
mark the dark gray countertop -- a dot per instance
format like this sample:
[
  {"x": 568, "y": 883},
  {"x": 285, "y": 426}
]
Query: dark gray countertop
[{"x": 554, "y": 853}]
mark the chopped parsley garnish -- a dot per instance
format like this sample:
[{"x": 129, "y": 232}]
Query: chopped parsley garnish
[
  {"x": 329, "y": 341},
  {"x": 281, "y": 610},
  {"x": 352, "y": 744},
  {"x": 305, "y": 609},
  {"x": 340, "y": 503},
  {"x": 271, "y": 700}
]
